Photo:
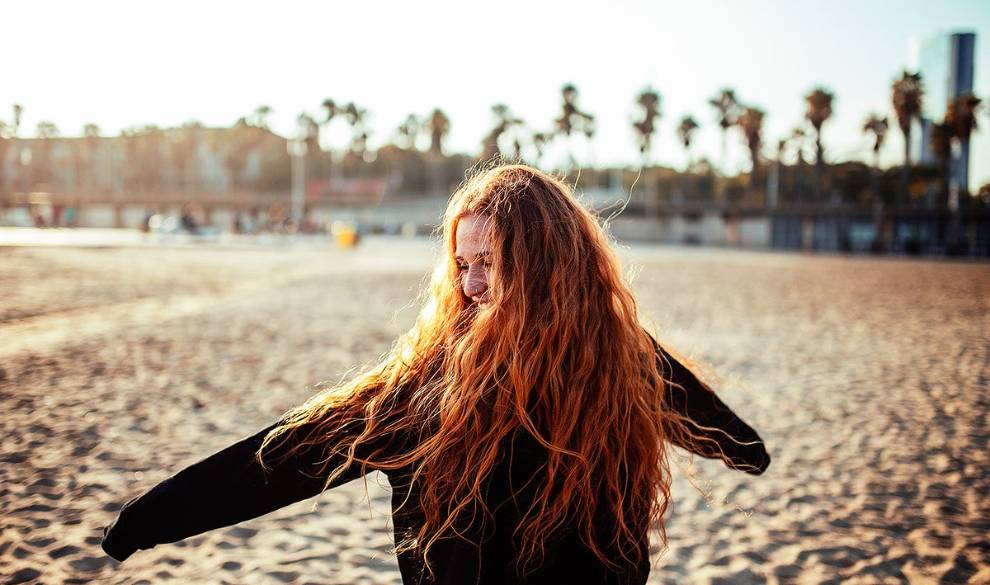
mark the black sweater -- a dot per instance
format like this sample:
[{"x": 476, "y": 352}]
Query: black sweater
[{"x": 230, "y": 487}]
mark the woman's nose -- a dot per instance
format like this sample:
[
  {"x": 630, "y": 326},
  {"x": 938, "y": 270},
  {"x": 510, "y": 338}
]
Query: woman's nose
[{"x": 476, "y": 281}]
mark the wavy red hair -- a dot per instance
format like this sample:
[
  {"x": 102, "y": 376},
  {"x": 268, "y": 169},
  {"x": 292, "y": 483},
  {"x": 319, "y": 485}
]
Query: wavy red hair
[{"x": 559, "y": 355}]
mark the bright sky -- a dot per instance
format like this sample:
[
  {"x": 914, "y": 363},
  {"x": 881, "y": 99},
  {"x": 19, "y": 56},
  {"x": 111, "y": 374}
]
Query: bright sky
[{"x": 120, "y": 64}]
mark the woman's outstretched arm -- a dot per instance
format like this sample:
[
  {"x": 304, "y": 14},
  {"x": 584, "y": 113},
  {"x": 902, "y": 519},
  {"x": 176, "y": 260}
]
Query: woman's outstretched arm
[
  {"x": 225, "y": 488},
  {"x": 713, "y": 430}
]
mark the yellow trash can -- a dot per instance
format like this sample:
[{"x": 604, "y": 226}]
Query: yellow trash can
[{"x": 345, "y": 234}]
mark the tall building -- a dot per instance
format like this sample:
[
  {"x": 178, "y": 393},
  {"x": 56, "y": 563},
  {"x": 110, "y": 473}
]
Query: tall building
[{"x": 946, "y": 66}]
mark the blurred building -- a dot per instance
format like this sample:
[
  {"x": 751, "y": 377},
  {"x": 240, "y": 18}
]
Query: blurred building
[
  {"x": 150, "y": 161},
  {"x": 946, "y": 64}
]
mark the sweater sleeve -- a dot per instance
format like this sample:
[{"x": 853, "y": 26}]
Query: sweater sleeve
[
  {"x": 713, "y": 430},
  {"x": 221, "y": 490}
]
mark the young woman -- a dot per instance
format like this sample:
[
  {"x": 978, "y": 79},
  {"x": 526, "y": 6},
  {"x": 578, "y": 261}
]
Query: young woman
[{"x": 523, "y": 422}]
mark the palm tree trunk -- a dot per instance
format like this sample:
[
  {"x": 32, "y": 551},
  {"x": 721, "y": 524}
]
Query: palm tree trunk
[
  {"x": 754, "y": 155},
  {"x": 819, "y": 167},
  {"x": 906, "y": 169},
  {"x": 722, "y": 153},
  {"x": 952, "y": 202},
  {"x": 878, "y": 206},
  {"x": 773, "y": 184},
  {"x": 964, "y": 156}
]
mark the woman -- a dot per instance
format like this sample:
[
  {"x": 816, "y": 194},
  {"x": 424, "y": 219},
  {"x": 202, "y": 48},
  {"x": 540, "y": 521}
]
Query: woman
[{"x": 523, "y": 422}]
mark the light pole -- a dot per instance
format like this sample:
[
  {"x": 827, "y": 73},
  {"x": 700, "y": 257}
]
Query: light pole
[{"x": 297, "y": 151}]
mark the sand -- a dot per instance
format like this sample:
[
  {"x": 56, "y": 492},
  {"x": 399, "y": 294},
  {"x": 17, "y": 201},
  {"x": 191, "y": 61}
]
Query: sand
[{"x": 867, "y": 378}]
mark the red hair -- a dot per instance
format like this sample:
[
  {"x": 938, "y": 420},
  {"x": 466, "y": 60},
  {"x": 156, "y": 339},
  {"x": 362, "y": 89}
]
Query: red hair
[{"x": 559, "y": 355}]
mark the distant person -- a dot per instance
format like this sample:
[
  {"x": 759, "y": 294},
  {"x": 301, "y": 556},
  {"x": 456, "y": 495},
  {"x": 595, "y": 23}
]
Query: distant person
[
  {"x": 146, "y": 221},
  {"x": 524, "y": 422},
  {"x": 188, "y": 221}
]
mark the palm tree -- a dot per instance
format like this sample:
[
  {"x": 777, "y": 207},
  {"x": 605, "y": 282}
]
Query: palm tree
[
  {"x": 439, "y": 127},
  {"x": 773, "y": 180},
  {"x": 819, "y": 110},
  {"x": 940, "y": 142},
  {"x": 685, "y": 132},
  {"x": 726, "y": 109},
  {"x": 960, "y": 115},
  {"x": 46, "y": 130},
  {"x": 878, "y": 126},
  {"x": 540, "y": 140},
  {"x": 319, "y": 158},
  {"x": 330, "y": 111},
  {"x": 572, "y": 118},
  {"x": 960, "y": 121},
  {"x": 906, "y": 95},
  {"x": 504, "y": 120},
  {"x": 409, "y": 131},
  {"x": 798, "y": 140},
  {"x": 261, "y": 114},
  {"x": 356, "y": 117},
  {"x": 18, "y": 112},
  {"x": 649, "y": 101},
  {"x": 750, "y": 121},
  {"x": 309, "y": 132}
]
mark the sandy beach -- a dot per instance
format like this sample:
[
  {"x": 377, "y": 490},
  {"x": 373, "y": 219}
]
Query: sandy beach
[{"x": 868, "y": 379}]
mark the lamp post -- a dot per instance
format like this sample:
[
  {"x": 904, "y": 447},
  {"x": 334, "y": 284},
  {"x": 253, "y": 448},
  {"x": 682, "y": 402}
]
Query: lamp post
[{"x": 297, "y": 151}]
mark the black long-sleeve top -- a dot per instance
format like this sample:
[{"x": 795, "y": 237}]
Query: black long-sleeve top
[{"x": 230, "y": 487}]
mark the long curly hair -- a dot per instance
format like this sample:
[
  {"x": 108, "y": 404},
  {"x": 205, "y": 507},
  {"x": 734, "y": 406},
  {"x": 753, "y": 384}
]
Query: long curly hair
[{"x": 558, "y": 354}]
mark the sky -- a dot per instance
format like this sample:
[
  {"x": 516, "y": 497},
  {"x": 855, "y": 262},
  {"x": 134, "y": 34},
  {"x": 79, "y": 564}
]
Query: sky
[{"x": 121, "y": 64}]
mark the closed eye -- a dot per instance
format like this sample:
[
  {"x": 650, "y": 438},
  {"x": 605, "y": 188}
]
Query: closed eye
[{"x": 483, "y": 257}]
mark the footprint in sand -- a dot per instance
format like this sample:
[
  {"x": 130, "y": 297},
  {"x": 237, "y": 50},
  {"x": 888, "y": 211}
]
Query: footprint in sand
[
  {"x": 283, "y": 576},
  {"x": 63, "y": 551},
  {"x": 89, "y": 563},
  {"x": 21, "y": 553},
  {"x": 241, "y": 532},
  {"x": 24, "y": 576},
  {"x": 40, "y": 486},
  {"x": 39, "y": 542}
]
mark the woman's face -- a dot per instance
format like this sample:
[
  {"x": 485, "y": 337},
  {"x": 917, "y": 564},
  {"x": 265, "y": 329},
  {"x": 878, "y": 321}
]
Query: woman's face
[{"x": 473, "y": 258}]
